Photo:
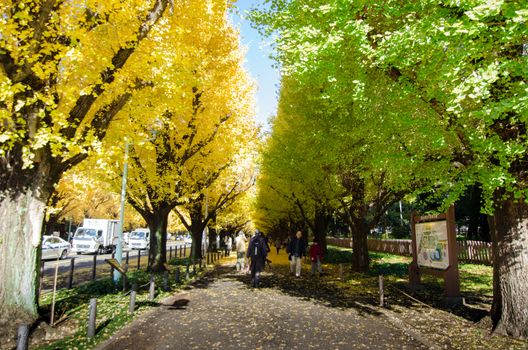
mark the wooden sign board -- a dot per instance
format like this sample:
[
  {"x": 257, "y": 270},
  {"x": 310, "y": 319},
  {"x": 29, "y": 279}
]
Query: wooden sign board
[
  {"x": 432, "y": 244},
  {"x": 435, "y": 252},
  {"x": 116, "y": 265}
]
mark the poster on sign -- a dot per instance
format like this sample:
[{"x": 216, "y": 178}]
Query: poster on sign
[{"x": 431, "y": 243}]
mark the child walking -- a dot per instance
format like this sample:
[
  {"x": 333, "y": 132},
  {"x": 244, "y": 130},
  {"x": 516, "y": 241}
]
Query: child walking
[{"x": 316, "y": 255}]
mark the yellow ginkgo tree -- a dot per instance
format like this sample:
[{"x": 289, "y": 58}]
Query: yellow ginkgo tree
[
  {"x": 186, "y": 126},
  {"x": 64, "y": 75}
]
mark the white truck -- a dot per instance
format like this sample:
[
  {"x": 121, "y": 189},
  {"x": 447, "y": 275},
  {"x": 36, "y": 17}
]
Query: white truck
[
  {"x": 95, "y": 236},
  {"x": 139, "y": 239}
]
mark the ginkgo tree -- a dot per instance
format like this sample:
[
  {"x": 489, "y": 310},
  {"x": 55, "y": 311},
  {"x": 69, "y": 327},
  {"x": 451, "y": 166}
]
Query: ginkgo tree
[
  {"x": 63, "y": 77},
  {"x": 218, "y": 179},
  {"x": 294, "y": 166},
  {"x": 79, "y": 195},
  {"x": 327, "y": 156},
  {"x": 189, "y": 121},
  {"x": 466, "y": 60}
]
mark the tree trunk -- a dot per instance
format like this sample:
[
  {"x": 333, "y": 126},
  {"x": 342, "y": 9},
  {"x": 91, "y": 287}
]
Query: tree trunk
[
  {"x": 360, "y": 256},
  {"x": 484, "y": 229},
  {"x": 212, "y": 240},
  {"x": 212, "y": 235},
  {"x": 158, "y": 240},
  {"x": 22, "y": 215},
  {"x": 320, "y": 227},
  {"x": 509, "y": 228},
  {"x": 196, "y": 248},
  {"x": 197, "y": 227}
]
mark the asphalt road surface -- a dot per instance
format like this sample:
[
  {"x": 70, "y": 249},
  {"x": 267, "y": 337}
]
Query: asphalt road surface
[
  {"x": 222, "y": 311},
  {"x": 84, "y": 263}
]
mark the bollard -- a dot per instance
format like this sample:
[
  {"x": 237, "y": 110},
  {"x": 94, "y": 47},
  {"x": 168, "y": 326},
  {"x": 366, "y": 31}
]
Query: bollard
[
  {"x": 92, "y": 317},
  {"x": 132, "y": 305},
  {"x": 127, "y": 257},
  {"x": 165, "y": 280},
  {"x": 94, "y": 266},
  {"x": 178, "y": 275},
  {"x": 381, "y": 291},
  {"x": 70, "y": 277},
  {"x": 152, "y": 290},
  {"x": 170, "y": 252},
  {"x": 139, "y": 259},
  {"x": 340, "y": 271},
  {"x": 23, "y": 337}
]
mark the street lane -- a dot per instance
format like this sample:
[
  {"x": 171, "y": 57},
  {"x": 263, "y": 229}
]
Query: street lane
[{"x": 84, "y": 263}]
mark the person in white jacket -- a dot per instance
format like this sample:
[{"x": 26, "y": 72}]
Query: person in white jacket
[{"x": 240, "y": 246}]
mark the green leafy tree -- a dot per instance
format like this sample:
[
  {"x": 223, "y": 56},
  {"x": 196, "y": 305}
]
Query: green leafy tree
[{"x": 466, "y": 61}]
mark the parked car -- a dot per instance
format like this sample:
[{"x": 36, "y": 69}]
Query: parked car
[{"x": 54, "y": 247}]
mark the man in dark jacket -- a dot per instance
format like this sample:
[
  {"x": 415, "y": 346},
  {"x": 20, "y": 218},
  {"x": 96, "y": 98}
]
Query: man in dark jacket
[
  {"x": 296, "y": 250},
  {"x": 257, "y": 252}
]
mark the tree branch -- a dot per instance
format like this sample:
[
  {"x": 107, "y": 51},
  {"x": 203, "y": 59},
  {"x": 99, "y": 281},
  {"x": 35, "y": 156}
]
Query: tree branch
[
  {"x": 182, "y": 219},
  {"x": 85, "y": 102}
]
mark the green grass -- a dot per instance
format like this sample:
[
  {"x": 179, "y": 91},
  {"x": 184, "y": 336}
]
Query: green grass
[
  {"x": 474, "y": 279},
  {"x": 180, "y": 261},
  {"x": 112, "y": 308},
  {"x": 335, "y": 255}
]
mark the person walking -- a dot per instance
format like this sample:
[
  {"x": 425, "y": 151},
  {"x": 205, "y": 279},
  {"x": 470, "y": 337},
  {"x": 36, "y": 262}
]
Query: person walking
[
  {"x": 316, "y": 255},
  {"x": 296, "y": 250},
  {"x": 240, "y": 246},
  {"x": 278, "y": 244},
  {"x": 228, "y": 244},
  {"x": 257, "y": 252}
]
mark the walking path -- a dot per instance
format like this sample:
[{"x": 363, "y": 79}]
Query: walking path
[{"x": 222, "y": 311}]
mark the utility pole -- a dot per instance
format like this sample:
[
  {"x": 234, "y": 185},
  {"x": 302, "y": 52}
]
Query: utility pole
[{"x": 119, "y": 248}]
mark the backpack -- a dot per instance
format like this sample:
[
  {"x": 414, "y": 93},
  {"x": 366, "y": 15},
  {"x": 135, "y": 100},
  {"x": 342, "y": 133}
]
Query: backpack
[{"x": 256, "y": 250}]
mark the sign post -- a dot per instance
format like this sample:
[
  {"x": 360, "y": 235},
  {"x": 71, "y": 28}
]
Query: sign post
[
  {"x": 118, "y": 269},
  {"x": 435, "y": 252}
]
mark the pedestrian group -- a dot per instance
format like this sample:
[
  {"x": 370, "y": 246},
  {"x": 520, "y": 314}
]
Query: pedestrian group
[{"x": 256, "y": 254}]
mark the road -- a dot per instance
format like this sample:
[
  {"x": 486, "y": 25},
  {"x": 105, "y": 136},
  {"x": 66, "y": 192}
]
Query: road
[{"x": 85, "y": 263}]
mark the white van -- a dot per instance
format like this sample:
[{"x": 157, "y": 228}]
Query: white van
[
  {"x": 139, "y": 239},
  {"x": 95, "y": 236}
]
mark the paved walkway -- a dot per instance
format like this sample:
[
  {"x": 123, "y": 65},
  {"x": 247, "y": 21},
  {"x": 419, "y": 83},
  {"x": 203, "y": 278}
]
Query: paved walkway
[{"x": 222, "y": 311}]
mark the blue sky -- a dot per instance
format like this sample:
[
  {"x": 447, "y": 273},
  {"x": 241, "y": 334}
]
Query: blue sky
[{"x": 258, "y": 63}]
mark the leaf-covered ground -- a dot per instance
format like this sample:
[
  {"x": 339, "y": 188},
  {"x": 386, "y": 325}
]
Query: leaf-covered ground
[
  {"x": 71, "y": 311},
  {"x": 336, "y": 311}
]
